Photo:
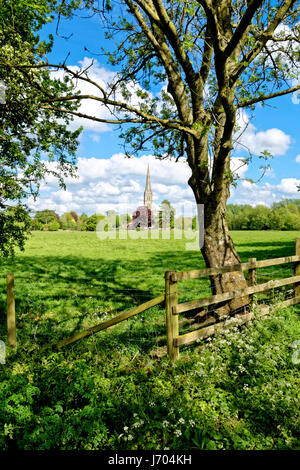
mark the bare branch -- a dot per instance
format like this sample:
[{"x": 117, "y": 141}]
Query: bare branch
[
  {"x": 264, "y": 37},
  {"x": 242, "y": 27},
  {"x": 143, "y": 119},
  {"x": 213, "y": 23},
  {"x": 157, "y": 39},
  {"x": 268, "y": 97},
  {"x": 175, "y": 41}
]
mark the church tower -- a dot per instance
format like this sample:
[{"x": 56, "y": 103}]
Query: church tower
[{"x": 148, "y": 192}]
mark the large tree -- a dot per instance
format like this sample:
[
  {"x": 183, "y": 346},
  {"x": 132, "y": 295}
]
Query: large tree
[
  {"x": 214, "y": 60},
  {"x": 30, "y": 137}
]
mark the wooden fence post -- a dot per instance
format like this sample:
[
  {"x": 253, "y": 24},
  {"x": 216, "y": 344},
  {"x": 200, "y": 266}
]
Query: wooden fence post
[
  {"x": 10, "y": 310},
  {"x": 171, "y": 297},
  {"x": 297, "y": 269},
  {"x": 252, "y": 276}
]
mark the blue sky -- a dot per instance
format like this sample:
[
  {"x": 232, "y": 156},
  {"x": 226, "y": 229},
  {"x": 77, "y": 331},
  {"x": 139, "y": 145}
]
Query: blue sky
[{"x": 107, "y": 180}]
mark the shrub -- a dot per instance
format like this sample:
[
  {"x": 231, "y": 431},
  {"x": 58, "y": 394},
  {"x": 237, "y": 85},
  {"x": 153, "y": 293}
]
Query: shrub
[{"x": 54, "y": 226}]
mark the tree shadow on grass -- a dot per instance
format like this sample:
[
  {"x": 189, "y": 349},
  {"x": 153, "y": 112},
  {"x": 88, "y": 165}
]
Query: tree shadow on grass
[
  {"x": 266, "y": 250},
  {"x": 57, "y": 297},
  {"x": 189, "y": 260}
]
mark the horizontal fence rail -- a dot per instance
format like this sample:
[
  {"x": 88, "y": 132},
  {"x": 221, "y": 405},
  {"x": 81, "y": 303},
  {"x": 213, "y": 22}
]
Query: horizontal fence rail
[
  {"x": 173, "y": 308},
  {"x": 238, "y": 319},
  {"x": 215, "y": 299},
  {"x": 195, "y": 274}
]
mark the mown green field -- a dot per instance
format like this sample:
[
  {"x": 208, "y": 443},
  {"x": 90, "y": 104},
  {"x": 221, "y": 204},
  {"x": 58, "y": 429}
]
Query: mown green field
[{"x": 240, "y": 391}]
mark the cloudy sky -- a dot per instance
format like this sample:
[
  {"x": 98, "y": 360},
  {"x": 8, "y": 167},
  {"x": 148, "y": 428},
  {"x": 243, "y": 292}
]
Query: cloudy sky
[{"x": 108, "y": 180}]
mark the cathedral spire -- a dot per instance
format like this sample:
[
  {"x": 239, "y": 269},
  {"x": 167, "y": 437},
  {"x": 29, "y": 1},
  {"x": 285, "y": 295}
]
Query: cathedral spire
[{"x": 148, "y": 191}]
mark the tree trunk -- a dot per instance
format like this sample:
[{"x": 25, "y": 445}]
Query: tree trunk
[{"x": 218, "y": 250}]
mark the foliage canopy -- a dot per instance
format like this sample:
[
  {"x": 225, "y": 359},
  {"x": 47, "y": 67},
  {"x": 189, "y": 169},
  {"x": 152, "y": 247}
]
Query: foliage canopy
[{"x": 34, "y": 142}]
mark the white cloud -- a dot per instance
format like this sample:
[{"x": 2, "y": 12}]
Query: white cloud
[
  {"x": 297, "y": 158},
  {"x": 288, "y": 186},
  {"x": 117, "y": 183},
  {"x": 273, "y": 140},
  {"x": 283, "y": 51},
  {"x": 266, "y": 194},
  {"x": 91, "y": 107},
  {"x": 62, "y": 196},
  {"x": 238, "y": 167}
]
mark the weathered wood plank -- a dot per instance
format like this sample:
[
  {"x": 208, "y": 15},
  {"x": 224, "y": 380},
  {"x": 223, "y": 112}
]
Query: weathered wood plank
[
  {"x": 237, "y": 320},
  {"x": 289, "y": 302},
  {"x": 172, "y": 327},
  {"x": 252, "y": 272},
  {"x": 275, "y": 261},
  {"x": 197, "y": 273},
  {"x": 218, "y": 328},
  {"x": 108, "y": 323},
  {"x": 214, "y": 299},
  {"x": 252, "y": 275}
]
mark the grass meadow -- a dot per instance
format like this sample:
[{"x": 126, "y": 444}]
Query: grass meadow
[{"x": 237, "y": 391}]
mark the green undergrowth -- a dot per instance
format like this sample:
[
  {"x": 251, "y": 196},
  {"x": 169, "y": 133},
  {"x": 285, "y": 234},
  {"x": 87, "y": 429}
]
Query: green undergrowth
[
  {"x": 239, "y": 391},
  {"x": 236, "y": 391}
]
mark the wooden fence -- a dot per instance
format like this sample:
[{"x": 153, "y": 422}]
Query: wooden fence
[
  {"x": 11, "y": 318},
  {"x": 173, "y": 308},
  {"x": 111, "y": 322}
]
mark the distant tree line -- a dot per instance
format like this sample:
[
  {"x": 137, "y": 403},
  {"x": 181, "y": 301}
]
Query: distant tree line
[
  {"x": 49, "y": 220},
  {"x": 283, "y": 215}
]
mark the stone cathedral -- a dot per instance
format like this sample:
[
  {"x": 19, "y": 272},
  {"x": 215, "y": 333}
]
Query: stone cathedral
[{"x": 144, "y": 215}]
